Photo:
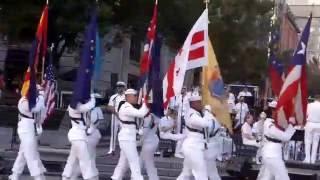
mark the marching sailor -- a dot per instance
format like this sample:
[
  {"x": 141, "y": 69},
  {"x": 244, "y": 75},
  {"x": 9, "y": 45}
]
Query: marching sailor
[
  {"x": 168, "y": 124},
  {"x": 212, "y": 153},
  {"x": 128, "y": 115},
  {"x": 93, "y": 135},
  {"x": 150, "y": 142},
  {"x": 273, "y": 166},
  {"x": 312, "y": 130},
  {"x": 79, "y": 152},
  {"x": 113, "y": 107},
  {"x": 195, "y": 144},
  {"x": 28, "y": 131}
]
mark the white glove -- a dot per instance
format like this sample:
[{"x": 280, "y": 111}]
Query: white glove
[{"x": 41, "y": 92}]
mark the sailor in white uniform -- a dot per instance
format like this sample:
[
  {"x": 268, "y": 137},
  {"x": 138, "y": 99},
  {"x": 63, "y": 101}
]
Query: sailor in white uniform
[
  {"x": 93, "y": 135},
  {"x": 150, "y": 142},
  {"x": 113, "y": 108},
  {"x": 28, "y": 133},
  {"x": 273, "y": 166},
  {"x": 79, "y": 152},
  {"x": 167, "y": 126},
  {"x": 312, "y": 130},
  {"x": 195, "y": 144},
  {"x": 128, "y": 115},
  {"x": 214, "y": 145}
]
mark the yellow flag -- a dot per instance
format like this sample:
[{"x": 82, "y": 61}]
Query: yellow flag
[{"x": 213, "y": 89}]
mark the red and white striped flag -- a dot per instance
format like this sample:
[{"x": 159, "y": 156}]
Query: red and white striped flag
[
  {"x": 193, "y": 54},
  {"x": 294, "y": 92},
  {"x": 49, "y": 91}
]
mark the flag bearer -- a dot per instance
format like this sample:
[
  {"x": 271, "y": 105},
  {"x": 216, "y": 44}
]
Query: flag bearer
[
  {"x": 195, "y": 144},
  {"x": 79, "y": 152},
  {"x": 27, "y": 132},
  {"x": 93, "y": 135},
  {"x": 128, "y": 115},
  {"x": 273, "y": 166}
]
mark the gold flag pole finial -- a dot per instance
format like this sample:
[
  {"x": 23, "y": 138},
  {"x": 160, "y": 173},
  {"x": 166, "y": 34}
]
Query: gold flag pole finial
[{"x": 47, "y": 2}]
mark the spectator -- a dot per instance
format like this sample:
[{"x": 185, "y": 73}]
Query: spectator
[
  {"x": 244, "y": 93},
  {"x": 246, "y": 131},
  {"x": 241, "y": 109}
]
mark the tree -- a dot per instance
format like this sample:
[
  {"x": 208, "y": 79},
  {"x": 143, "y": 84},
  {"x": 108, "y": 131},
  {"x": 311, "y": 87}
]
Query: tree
[
  {"x": 66, "y": 19},
  {"x": 238, "y": 28}
]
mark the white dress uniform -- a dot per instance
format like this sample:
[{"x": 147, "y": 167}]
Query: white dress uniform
[
  {"x": 150, "y": 142},
  {"x": 166, "y": 128},
  {"x": 214, "y": 145},
  {"x": 115, "y": 124},
  {"x": 273, "y": 165},
  {"x": 93, "y": 137},
  {"x": 127, "y": 141},
  {"x": 194, "y": 146},
  {"x": 241, "y": 110},
  {"x": 28, "y": 150},
  {"x": 181, "y": 104},
  {"x": 79, "y": 152},
  {"x": 312, "y": 131}
]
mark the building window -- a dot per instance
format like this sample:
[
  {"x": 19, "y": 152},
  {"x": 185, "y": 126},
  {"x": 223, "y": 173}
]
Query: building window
[
  {"x": 133, "y": 81},
  {"x": 114, "y": 80},
  {"x": 135, "y": 48}
]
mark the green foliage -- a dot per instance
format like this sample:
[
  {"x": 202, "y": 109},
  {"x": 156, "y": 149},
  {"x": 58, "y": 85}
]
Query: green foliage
[{"x": 238, "y": 28}]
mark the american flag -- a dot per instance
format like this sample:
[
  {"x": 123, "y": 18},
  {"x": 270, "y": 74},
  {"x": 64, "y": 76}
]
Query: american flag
[
  {"x": 294, "y": 92},
  {"x": 49, "y": 91}
]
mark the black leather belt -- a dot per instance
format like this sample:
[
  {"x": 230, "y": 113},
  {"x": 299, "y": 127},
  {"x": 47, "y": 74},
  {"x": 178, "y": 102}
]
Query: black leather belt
[
  {"x": 78, "y": 120},
  {"x": 128, "y": 122},
  {"x": 195, "y": 130},
  {"x": 273, "y": 140},
  {"x": 25, "y": 116}
]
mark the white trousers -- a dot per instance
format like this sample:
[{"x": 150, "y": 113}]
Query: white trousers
[
  {"x": 194, "y": 161},
  {"x": 273, "y": 168},
  {"x": 147, "y": 157},
  {"x": 28, "y": 155},
  {"x": 79, "y": 154},
  {"x": 114, "y": 133},
  {"x": 311, "y": 140},
  {"x": 211, "y": 155},
  {"x": 93, "y": 141},
  {"x": 128, "y": 156}
]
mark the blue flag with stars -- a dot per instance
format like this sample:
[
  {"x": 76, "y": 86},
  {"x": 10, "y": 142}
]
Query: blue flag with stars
[{"x": 82, "y": 86}]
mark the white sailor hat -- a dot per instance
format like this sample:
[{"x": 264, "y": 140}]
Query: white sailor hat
[
  {"x": 121, "y": 83},
  {"x": 272, "y": 104},
  {"x": 208, "y": 107},
  {"x": 195, "y": 98},
  {"x": 130, "y": 91}
]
